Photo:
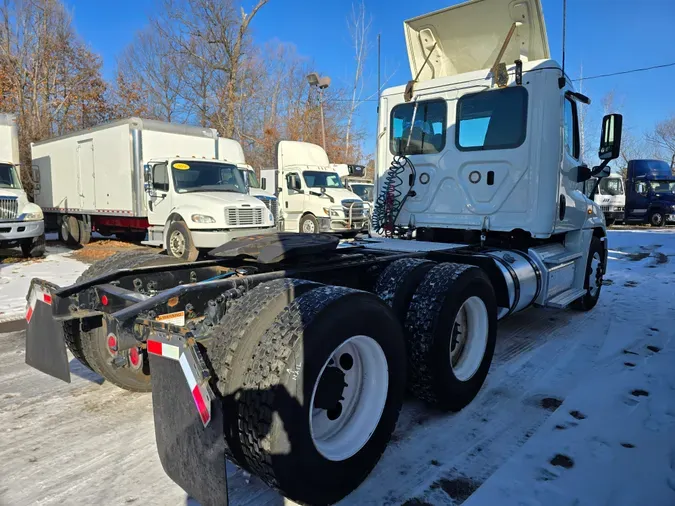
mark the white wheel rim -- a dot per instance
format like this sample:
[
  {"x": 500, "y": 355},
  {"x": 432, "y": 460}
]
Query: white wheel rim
[
  {"x": 469, "y": 338},
  {"x": 308, "y": 227},
  {"x": 177, "y": 243},
  {"x": 365, "y": 394},
  {"x": 595, "y": 276}
]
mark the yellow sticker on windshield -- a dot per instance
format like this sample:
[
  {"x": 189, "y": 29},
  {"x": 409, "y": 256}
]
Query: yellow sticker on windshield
[{"x": 181, "y": 166}]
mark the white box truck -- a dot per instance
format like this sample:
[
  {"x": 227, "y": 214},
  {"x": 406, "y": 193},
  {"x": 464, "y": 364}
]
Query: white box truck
[
  {"x": 312, "y": 198},
  {"x": 610, "y": 195},
  {"x": 21, "y": 222},
  {"x": 134, "y": 177}
]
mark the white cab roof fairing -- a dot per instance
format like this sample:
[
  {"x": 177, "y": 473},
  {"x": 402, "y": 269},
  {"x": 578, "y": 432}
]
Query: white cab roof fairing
[
  {"x": 295, "y": 153},
  {"x": 231, "y": 151},
  {"x": 468, "y": 37}
]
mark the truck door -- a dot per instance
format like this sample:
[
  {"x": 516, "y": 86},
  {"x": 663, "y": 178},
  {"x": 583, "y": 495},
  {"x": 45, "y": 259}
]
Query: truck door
[
  {"x": 572, "y": 204},
  {"x": 637, "y": 201},
  {"x": 294, "y": 201},
  {"x": 159, "y": 199},
  {"x": 86, "y": 177}
]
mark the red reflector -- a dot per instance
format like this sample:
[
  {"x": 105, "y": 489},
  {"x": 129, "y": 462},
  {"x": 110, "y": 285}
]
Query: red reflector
[
  {"x": 29, "y": 314},
  {"x": 134, "y": 357},
  {"x": 104, "y": 300},
  {"x": 47, "y": 298},
  {"x": 112, "y": 343},
  {"x": 201, "y": 405},
  {"x": 155, "y": 347}
]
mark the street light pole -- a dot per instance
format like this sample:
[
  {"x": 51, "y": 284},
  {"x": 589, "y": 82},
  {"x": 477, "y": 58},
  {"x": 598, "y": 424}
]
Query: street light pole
[{"x": 322, "y": 83}]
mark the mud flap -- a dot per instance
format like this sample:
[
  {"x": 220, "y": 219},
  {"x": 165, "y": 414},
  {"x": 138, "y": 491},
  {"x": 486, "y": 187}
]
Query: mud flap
[
  {"x": 192, "y": 455},
  {"x": 45, "y": 342}
]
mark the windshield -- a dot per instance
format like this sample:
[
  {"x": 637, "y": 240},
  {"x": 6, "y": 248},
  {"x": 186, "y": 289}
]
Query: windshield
[
  {"x": 203, "y": 176},
  {"x": 252, "y": 179},
  {"x": 365, "y": 191},
  {"x": 321, "y": 179},
  {"x": 8, "y": 176},
  {"x": 663, "y": 186},
  {"x": 611, "y": 186}
]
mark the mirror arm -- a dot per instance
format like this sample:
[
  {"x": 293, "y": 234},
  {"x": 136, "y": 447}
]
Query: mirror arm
[{"x": 597, "y": 170}]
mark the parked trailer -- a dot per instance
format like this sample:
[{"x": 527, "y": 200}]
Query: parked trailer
[
  {"x": 289, "y": 354},
  {"x": 177, "y": 184}
]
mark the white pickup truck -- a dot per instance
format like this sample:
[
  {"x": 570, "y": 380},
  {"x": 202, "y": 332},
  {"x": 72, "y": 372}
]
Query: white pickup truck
[{"x": 21, "y": 222}]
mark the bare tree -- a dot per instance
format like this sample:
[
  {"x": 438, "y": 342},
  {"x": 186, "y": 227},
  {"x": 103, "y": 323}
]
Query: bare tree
[{"x": 663, "y": 139}]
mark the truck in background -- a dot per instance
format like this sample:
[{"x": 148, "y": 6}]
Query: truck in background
[
  {"x": 21, "y": 222},
  {"x": 312, "y": 198},
  {"x": 610, "y": 195},
  {"x": 294, "y": 351},
  {"x": 650, "y": 193},
  {"x": 138, "y": 178}
]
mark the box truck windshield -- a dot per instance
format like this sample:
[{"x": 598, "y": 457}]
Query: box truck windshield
[
  {"x": 202, "y": 176},
  {"x": 612, "y": 186},
  {"x": 363, "y": 190},
  {"x": 320, "y": 179},
  {"x": 9, "y": 177},
  {"x": 253, "y": 180}
]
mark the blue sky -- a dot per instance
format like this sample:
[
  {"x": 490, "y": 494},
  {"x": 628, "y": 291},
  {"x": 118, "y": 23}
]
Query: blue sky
[{"x": 602, "y": 35}]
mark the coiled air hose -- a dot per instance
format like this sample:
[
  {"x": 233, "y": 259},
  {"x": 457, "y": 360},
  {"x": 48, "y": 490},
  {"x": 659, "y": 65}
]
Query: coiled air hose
[{"x": 390, "y": 201}]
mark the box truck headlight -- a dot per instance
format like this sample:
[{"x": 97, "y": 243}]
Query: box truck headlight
[
  {"x": 203, "y": 218},
  {"x": 34, "y": 216}
]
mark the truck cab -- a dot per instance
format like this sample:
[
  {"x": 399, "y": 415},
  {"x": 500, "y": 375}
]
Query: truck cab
[
  {"x": 255, "y": 189},
  {"x": 21, "y": 222},
  {"x": 650, "y": 193},
  {"x": 610, "y": 195},
  {"x": 312, "y": 197},
  {"x": 199, "y": 203}
]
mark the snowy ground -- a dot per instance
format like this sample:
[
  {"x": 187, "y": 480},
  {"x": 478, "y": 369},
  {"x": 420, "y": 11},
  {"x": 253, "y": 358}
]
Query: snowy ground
[
  {"x": 56, "y": 266},
  {"x": 578, "y": 409}
]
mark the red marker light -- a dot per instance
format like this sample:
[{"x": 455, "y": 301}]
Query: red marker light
[{"x": 104, "y": 300}]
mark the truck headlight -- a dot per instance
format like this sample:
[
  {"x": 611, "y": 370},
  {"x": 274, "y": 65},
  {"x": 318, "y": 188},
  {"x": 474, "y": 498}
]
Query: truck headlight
[
  {"x": 203, "y": 218},
  {"x": 35, "y": 216}
]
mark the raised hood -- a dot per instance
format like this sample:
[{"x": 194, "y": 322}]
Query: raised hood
[
  {"x": 295, "y": 153},
  {"x": 468, "y": 37}
]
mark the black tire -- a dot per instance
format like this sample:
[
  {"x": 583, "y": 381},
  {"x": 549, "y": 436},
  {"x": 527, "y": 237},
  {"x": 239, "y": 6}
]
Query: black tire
[
  {"x": 177, "y": 235},
  {"x": 90, "y": 347},
  {"x": 70, "y": 231},
  {"x": 34, "y": 248},
  {"x": 610, "y": 221},
  {"x": 236, "y": 338},
  {"x": 430, "y": 332},
  {"x": 398, "y": 282},
  {"x": 590, "y": 298},
  {"x": 84, "y": 229},
  {"x": 656, "y": 219},
  {"x": 309, "y": 221},
  {"x": 274, "y": 404}
]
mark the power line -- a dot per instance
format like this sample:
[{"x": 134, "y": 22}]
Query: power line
[{"x": 632, "y": 71}]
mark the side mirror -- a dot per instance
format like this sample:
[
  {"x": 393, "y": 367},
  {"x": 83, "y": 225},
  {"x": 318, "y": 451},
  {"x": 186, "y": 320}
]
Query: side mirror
[
  {"x": 583, "y": 173},
  {"x": 263, "y": 184},
  {"x": 36, "y": 178},
  {"x": 610, "y": 142},
  {"x": 356, "y": 170},
  {"x": 147, "y": 177}
]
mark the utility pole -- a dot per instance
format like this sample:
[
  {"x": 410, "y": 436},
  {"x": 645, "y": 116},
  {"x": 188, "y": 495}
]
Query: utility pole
[{"x": 321, "y": 83}]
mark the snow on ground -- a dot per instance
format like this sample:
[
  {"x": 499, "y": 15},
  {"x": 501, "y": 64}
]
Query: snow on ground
[
  {"x": 56, "y": 266},
  {"x": 89, "y": 442}
]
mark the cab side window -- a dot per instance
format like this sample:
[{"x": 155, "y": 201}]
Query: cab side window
[
  {"x": 160, "y": 177},
  {"x": 571, "y": 127}
]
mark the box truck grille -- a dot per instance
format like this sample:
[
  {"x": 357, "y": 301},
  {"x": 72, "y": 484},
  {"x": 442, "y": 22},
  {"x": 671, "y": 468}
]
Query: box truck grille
[
  {"x": 356, "y": 207},
  {"x": 605, "y": 208},
  {"x": 9, "y": 208},
  {"x": 271, "y": 204},
  {"x": 243, "y": 216}
]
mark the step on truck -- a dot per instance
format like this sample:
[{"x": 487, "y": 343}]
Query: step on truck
[
  {"x": 312, "y": 198},
  {"x": 178, "y": 187},
  {"x": 21, "y": 221},
  {"x": 289, "y": 354}
]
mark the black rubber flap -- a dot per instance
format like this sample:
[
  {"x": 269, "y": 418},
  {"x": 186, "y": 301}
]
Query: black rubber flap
[
  {"x": 45, "y": 343},
  {"x": 192, "y": 455},
  {"x": 277, "y": 247}
]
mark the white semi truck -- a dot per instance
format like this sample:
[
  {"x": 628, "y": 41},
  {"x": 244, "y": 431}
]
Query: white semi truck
[
  {"x": 610, "y": 195},
  {"x": 179, "y": 185},
  {"x": 290, "y": 354},
  {"x": 21, "y": 222},
  {"x": 311, "y": 195}
]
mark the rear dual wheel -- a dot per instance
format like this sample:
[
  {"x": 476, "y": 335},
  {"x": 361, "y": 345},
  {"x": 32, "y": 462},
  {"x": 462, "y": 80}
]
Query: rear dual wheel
[
  {"x": 314, "y": 397},
  {"x": 75, "y": 231}
]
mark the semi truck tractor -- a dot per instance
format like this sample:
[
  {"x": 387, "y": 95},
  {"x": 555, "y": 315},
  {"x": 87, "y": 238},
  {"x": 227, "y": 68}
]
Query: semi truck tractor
[
  {"x": 177, "y": 185},
  {"x": 290, "y": 354},
  {"x": 610, "y": 196},
  {"x": 311, "y": 195},
  {"x": 21, "y": 221},
  {"x": 650, "y": 193}
]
